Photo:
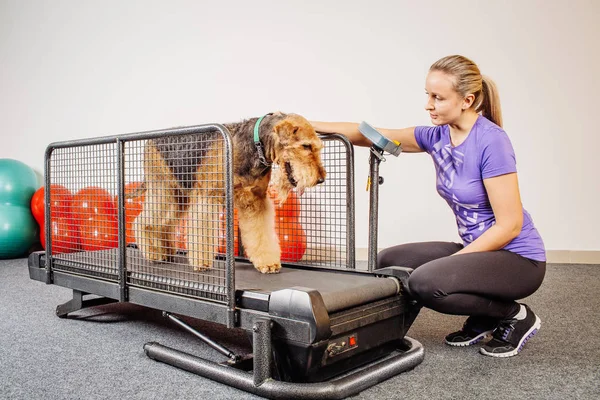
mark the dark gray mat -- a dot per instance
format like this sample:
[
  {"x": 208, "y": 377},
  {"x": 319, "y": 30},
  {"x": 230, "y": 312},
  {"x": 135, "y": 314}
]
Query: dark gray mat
[{"x": 99, "y": 355}]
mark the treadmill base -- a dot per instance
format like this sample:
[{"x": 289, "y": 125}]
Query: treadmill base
[{"x": 260, "y": 381}]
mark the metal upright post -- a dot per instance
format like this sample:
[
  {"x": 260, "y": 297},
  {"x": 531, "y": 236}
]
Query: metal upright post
[
  {"x": 47, "y": 212},
  {"x": 262, "y": 350},
  {"x": 122, "y": 252},
  {"x": 373, "y": 187},
  {"x": 229, "y": 212}
]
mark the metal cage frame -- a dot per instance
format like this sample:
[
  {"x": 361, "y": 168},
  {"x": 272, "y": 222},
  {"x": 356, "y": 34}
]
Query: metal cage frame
[{"x": 59, "y": 265}]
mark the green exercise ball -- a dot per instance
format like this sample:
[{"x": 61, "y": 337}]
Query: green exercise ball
[
  {"x": 18, "y": 182},
  {"x": 18, "y": 228},
  {"x": 18, "y": 231}
]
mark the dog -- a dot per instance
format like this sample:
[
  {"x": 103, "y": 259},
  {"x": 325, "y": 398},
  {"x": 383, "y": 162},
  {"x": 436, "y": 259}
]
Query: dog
[{"x": 183, "y": 176}]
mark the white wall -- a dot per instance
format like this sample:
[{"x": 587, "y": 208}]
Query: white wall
[{"x": 78, "y": 69}]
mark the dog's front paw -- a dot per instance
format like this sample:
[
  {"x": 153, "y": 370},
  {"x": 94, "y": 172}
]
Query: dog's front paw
[{"x": 269, "y": 269}]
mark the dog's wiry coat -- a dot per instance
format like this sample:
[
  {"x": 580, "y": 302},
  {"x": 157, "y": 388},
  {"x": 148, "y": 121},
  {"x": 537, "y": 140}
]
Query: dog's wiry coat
[{"x": 183, "y": 176}]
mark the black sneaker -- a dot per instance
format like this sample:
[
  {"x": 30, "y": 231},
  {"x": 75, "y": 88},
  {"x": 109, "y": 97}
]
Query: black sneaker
[
  {"x": 474, "y": 330},
  {"x": 511, "y": 335}
]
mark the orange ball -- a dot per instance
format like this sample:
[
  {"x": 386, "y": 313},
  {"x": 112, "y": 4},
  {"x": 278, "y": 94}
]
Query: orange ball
[
  {"x": 60, "y": 203},
  {"x": 292, "y": 239},
  {"x": 223, "y": 233},
  {"x": 92, "y": 202},
  {"x": 65, "y": 236},
  {"x": 37, "y": 206},
  {"x": 99, "y": 232},
  {"x": 290, "y": 207}
]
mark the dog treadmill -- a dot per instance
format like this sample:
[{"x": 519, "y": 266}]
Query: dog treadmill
[{"x": 325, "y": 327}]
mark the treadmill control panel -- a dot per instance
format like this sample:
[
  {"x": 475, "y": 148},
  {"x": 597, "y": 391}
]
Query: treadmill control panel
[{"x": 342, "y": 345}]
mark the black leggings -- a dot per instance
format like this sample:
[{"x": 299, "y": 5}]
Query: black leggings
[{"x": 478, "y": 284}]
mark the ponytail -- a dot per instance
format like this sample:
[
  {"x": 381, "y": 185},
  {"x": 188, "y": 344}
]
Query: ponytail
[{"x": 490, "y": 105}]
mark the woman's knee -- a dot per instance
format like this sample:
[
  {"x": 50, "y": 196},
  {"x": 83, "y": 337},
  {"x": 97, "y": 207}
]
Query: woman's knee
[
  {"x": 387, "y": 258},
  {"x": 402, "y": 255},
  {"x": 414, "y": 255},
  {"x": 418, "y": 288},
  {"x": 425, "y": 286}
]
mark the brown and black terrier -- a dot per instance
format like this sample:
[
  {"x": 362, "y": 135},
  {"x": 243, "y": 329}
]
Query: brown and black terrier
[{"x": 184, "y": 179}]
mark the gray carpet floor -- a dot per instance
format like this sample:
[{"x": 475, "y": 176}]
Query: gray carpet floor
[{"x": 98, "y": 353}]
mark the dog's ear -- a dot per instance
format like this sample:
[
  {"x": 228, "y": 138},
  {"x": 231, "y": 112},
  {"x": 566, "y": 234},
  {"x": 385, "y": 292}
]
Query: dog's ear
[{"x": 285, "y": 131}]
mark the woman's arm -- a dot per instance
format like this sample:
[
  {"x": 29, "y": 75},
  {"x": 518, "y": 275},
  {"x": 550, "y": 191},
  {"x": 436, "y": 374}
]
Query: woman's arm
[
  {"x": 406, "y": 136},
  {"x": 503, "y": 192}
]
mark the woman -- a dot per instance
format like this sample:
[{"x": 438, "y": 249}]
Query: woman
[{"x": 502, "y": 257}]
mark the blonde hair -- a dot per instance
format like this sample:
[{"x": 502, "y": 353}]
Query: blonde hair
[{"x": 468, "y": 80}]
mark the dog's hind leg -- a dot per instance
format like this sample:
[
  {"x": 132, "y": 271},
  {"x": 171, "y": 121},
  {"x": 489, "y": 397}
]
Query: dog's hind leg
[
  {"x": 205, "y": 204},
  {"x": 257, "y": 227},
  {"x": 202, "y": 229},
  {"x": 154, "y": 227}
]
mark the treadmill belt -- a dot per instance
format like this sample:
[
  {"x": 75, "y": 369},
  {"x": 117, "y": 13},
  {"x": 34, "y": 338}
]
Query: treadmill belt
[{"x": 339, "y": 290}]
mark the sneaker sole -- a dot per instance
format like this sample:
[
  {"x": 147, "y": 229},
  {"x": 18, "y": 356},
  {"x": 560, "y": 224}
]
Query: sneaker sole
[
  {"x": 475, "y": 340},
  {"x": 532, "y": 331}
]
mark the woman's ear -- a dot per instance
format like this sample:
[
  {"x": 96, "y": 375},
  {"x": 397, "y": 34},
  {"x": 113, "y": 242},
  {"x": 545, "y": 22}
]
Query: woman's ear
[{"x": 468, "y": 101}]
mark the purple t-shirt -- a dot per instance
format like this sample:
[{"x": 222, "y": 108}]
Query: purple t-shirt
[{"x": 460, "y": 170}]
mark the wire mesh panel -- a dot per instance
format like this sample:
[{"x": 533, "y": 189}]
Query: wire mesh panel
[
  {"x": 316, "y": 228},
  {"x": 175, "y": 214},
  {"x": 327, "y": 213},
  {"x": 82, "y": 209},
  {"x": 148, "y": 209}
]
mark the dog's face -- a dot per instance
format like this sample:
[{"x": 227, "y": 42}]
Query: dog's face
[{"x": 298, "y": 155}]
